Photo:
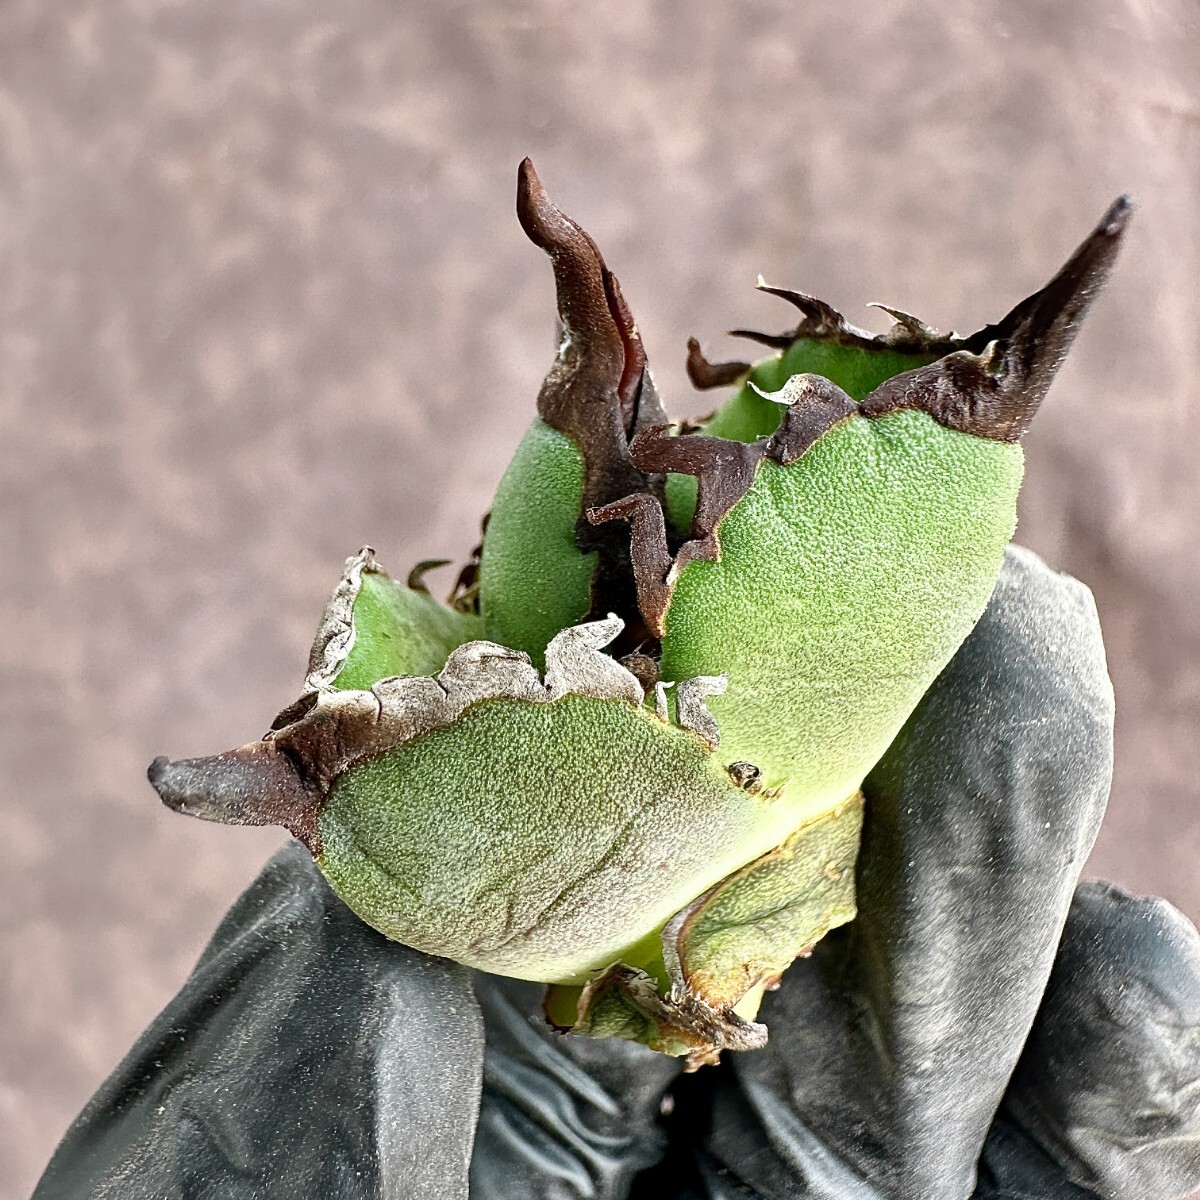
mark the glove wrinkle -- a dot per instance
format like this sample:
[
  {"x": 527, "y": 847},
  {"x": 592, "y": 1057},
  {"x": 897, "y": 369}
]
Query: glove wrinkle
[
  {"x": 562, "y": 1117},
  {"x": 1014, "y": 1167},
  {"x": 801, "y": 1164},
  {"x": 304, "y": 1056},
  {"x": 1108, "y": 1086},
  {"x": 893, "y": 1044}
]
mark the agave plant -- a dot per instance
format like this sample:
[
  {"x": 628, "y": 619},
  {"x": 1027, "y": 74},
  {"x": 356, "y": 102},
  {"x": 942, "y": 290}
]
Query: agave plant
[{"x": 625, "y": 759}]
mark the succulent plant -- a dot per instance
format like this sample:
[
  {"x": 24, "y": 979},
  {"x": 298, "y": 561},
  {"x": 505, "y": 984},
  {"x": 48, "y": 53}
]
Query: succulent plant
[{"x": 625, "y": 760}]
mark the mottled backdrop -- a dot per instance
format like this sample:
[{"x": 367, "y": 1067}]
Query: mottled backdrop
[{"x": 264, "y": 299}]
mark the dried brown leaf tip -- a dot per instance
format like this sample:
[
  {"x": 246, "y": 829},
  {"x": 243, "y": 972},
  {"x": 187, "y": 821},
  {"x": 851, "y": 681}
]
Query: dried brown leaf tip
[
  {"x": 255, "y": 785},
  {"x": 993, "y": 383},
  {"x": 1031, "y": 342},
  {"x": 416, "y": 577},
  {"x": 989, "y": 384},
  {"x": 625, "y": 1002},
  {"x": 599, "y": 391},
  {"x": 820, "y": 321},
  {"x": 706, "y": 375},
  {"x": 286, "y": 777}
]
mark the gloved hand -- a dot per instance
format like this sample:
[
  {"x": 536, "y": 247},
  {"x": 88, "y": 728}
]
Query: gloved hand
[{"x": 953, "y": 1041}]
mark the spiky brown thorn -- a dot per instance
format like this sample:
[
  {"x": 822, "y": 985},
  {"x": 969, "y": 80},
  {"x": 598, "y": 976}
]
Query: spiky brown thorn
[
  {"x": 818, "y": 318},
  {"x": 989, "y": 384},
  {"x": 464, "y": 595},
  {"x": 772, "y": 341},
  {"x": 995, "y": 382},
  {"x": 258, "y": 784},
  {"x": 909, "y": 334},
  {"x": 705, "y": 375},
  {"x": 724, "y": 469},
  {"x": 822, "y": 322},
  {"x": 599, "y": 392},
  {"x": 649, "y": 553},
  {"x": 910, "y": 330},
  {"x": 416, "y": 577}
]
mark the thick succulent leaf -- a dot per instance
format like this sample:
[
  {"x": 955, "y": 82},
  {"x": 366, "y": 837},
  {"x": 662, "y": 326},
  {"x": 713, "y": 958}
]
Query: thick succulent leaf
[
  {"x": 857, "y": 362},
  {"x": 747, "y": 930},
  {"x": 833, "y": 569},
  {"x": 825, "y": 344},
  {"x": 724, "y": 948},
  {"x": 534, "y": 580},
  {"x": 845, "y": 582},
  {"x": 534, "y": 826},
  {"x": 374, "y": 627},
  {"x": 541, "y": 840},
  {"x": 989, "y": 383}
]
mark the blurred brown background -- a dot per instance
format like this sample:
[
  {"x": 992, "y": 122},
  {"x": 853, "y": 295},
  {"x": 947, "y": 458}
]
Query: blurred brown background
[{"x": 264, "y": 299}]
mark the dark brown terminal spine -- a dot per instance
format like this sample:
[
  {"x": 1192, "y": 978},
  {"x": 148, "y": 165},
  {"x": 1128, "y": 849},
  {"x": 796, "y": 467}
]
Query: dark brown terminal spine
[
  {"x": 995, "y": 381},
  {"x": 259, "y": 784},
  {"x": 599, "y": 392},
  {"x": 705, "y": 375}
]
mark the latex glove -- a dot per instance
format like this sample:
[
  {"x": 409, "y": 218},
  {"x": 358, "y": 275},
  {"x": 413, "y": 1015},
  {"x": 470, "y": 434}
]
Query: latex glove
[{"x": 307, "y": 1056}]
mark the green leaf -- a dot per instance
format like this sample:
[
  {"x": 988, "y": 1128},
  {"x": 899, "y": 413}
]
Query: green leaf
[{"x": 533, "y": 579}]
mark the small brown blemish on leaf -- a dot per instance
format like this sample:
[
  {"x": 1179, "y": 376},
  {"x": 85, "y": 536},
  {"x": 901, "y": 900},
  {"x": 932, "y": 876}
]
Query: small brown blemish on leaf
[
  {"x": 744, "y": 774},
  {"x": 644, "y": 668},
  {"x": 691, "y": 710}
]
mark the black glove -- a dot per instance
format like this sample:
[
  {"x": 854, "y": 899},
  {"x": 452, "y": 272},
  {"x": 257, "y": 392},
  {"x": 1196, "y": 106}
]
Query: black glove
[{"x": 307, "y": 1056}]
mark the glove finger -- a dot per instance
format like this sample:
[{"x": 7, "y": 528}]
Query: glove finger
[
  {"x": 891, "y": 1047},
  {"x": 305, "y": 1055},
  {"x": 562, "y": 1116},
  {"x": 1107, "y": 1092}
]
